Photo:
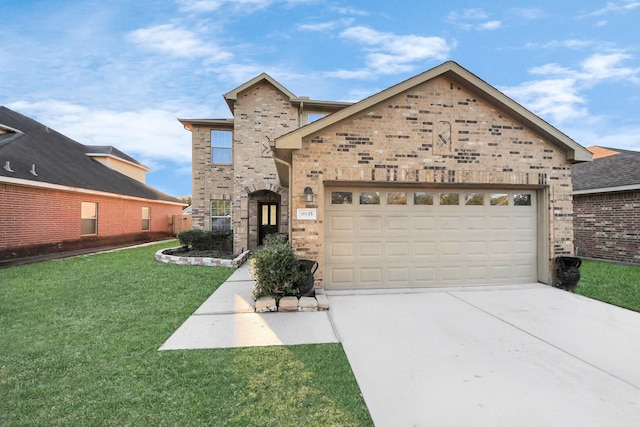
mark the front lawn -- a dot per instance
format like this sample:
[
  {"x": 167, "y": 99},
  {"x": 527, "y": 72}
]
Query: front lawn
[
  {"x": 615, "y": 284},
  {"x": 79, "y": 340}
]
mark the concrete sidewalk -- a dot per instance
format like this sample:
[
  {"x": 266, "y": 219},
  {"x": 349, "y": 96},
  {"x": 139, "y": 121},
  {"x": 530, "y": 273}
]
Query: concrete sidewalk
[
  {"x": 527, "y": 355},
  {"x": 227, "y": 319}
]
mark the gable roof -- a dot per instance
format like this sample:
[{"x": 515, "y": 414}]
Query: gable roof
[
  {"x": 619, "y": 170},
  {"x": 34, "y": 154},
  {"x": 462, "y": 77},
  {"x": 232, "y": 96}
]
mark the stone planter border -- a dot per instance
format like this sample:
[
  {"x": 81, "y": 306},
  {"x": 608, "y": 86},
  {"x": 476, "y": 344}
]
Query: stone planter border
[{"x": 205, "y": 261}]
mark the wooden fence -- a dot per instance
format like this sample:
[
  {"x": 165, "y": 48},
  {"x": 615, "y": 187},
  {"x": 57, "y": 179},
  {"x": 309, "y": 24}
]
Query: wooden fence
[{"x": 179, "y": 223}]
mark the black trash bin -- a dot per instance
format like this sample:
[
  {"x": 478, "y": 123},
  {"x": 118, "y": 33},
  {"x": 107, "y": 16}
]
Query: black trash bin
[
  {"x": 308, "y": 267},
  {"x": 568, "y": 272}
]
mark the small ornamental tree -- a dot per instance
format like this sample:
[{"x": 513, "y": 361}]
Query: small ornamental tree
[{"x": 276, "y": 269}]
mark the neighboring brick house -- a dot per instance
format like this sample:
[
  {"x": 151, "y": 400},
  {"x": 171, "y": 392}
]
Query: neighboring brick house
[
  {"x": 439, "y": 180},
  {"x": 606, "y": 200},
  {"x": 58, "y": 195}
]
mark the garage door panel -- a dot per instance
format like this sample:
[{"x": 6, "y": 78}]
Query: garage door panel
[
  {"x": 378, "y": 246},
  {"x": 370, "y": 275},
  {"x": 450, "y": 223},
  {"x": 398, "y": 276},
  {"x": 397, "y": 223},
  {"x": 370, "y": 224},
  {"x": 370, "y": 249},
  {"x": 476, "y": 249},
  {"x": 341, "y": 276},
  {"x": 397, "y": 249},
  {"x": 341, "y": 250},
  {"x": 422, "y": 249},
  {"x": 423, "y": 223},
  {"x": 450, "y": 249},
  {"x": 341, "y": 224}
]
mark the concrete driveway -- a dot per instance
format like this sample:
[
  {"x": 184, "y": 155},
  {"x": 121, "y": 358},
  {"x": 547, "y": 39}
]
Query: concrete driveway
[{"x": 527, "y": 355}]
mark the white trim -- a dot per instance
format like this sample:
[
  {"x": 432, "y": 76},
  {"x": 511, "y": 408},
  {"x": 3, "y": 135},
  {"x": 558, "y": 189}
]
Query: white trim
[
  {"x": 49, "y": 186},
  {"x": 608, "y": 189}
]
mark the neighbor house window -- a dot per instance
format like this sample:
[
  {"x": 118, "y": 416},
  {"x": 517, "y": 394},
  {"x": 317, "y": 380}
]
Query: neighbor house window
[
  {"x": 221, "y": 146},
  {"x": 146, "y": 218},
  {"x": 312, "y": 117},
  {"x": 89, "y": 214},
  {"x": 221, "y": 215}
]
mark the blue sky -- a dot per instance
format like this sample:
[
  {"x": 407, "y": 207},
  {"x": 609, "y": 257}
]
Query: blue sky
[{"x": 121, "y": 72}]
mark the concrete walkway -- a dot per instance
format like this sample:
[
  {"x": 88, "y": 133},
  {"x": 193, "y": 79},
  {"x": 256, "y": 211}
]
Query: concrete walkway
[
  {"x": 227, "y": 319},
  {"x": 526, "y": 355}
]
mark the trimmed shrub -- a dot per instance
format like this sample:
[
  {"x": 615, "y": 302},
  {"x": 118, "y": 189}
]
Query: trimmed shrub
[
  {"x": 276, "y": 270},
  {"x": 202, "y": 240}
]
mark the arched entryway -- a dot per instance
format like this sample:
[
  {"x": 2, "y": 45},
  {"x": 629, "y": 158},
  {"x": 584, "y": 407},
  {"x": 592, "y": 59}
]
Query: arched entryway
[{"x": 265, "y": 216}]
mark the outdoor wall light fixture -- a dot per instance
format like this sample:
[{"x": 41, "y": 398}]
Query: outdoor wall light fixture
[{"x": 308, "y": 194}]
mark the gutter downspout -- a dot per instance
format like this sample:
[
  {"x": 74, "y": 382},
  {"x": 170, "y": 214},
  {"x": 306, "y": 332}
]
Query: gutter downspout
[{"x": 289, "y": 168}]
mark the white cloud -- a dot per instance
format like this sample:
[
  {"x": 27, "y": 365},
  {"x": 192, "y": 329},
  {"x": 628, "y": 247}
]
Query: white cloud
[
  {"x": 489, "y": 25},
  {"x": 616, "y": 7},
  {"x": 175, "y": 41},
  {"x": 608, "y": 66},
  {"x": 528, "y": 13},
  {"x": 349, "y": 11},
  {"x": 558, "y": 96},
  {"x": 149, "y": 135},
  {"x": 325, "y": 26},
  {"x": 389, "y": 53},
  {"x": 554, "y": 98},
  {"x": 469, "y": 19},
  {"x": 568, "y": 44}
]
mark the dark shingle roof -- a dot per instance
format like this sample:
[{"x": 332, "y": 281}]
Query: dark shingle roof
[
  {"x": 61, "y": 160},
  {"x": 618, "y": 170}
]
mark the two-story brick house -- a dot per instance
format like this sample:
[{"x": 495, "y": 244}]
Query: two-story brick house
[{"x": 438, "y": 180}]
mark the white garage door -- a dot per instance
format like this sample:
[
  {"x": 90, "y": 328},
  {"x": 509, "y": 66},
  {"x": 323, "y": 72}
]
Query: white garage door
[{"x": 389, "y": 238}]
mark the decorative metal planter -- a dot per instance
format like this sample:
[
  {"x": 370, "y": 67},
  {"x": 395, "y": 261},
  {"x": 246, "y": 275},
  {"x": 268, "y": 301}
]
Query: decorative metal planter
[
  {"x": 567, "y": 272},
  {"x": 308, "y": 267}
]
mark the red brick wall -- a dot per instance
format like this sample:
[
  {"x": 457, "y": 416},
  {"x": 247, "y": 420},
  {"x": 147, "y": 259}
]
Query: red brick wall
[
  {"x": 38, "y": 216},
  {"x": 607, "y": 226}
]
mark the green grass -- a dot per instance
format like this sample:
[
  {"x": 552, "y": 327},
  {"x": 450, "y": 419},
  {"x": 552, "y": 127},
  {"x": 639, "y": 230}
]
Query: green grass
[
  {"x": 79, "y": 340},
  {"x": 612, "y": 283}
]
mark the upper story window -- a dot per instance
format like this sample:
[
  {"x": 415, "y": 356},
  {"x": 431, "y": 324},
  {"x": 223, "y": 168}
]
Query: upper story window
[
  {"x": 221, "y": 146},
  {"x": 312, "y": 117},
  {"x": 89, "y": 218}
]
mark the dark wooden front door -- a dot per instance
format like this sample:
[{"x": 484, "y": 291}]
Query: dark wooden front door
[{"x": 268, "y": 213}]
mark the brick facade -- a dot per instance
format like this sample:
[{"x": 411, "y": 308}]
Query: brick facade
[
  {"x": 35, "y": 220},
  {"x": 393, "y": 143},
  {"x": 607, "y": 226}
]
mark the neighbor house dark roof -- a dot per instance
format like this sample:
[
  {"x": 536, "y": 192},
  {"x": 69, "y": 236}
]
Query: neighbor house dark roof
[
  {"x": 612, "y": 172},
  {"x": 31, "y": 151}
]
